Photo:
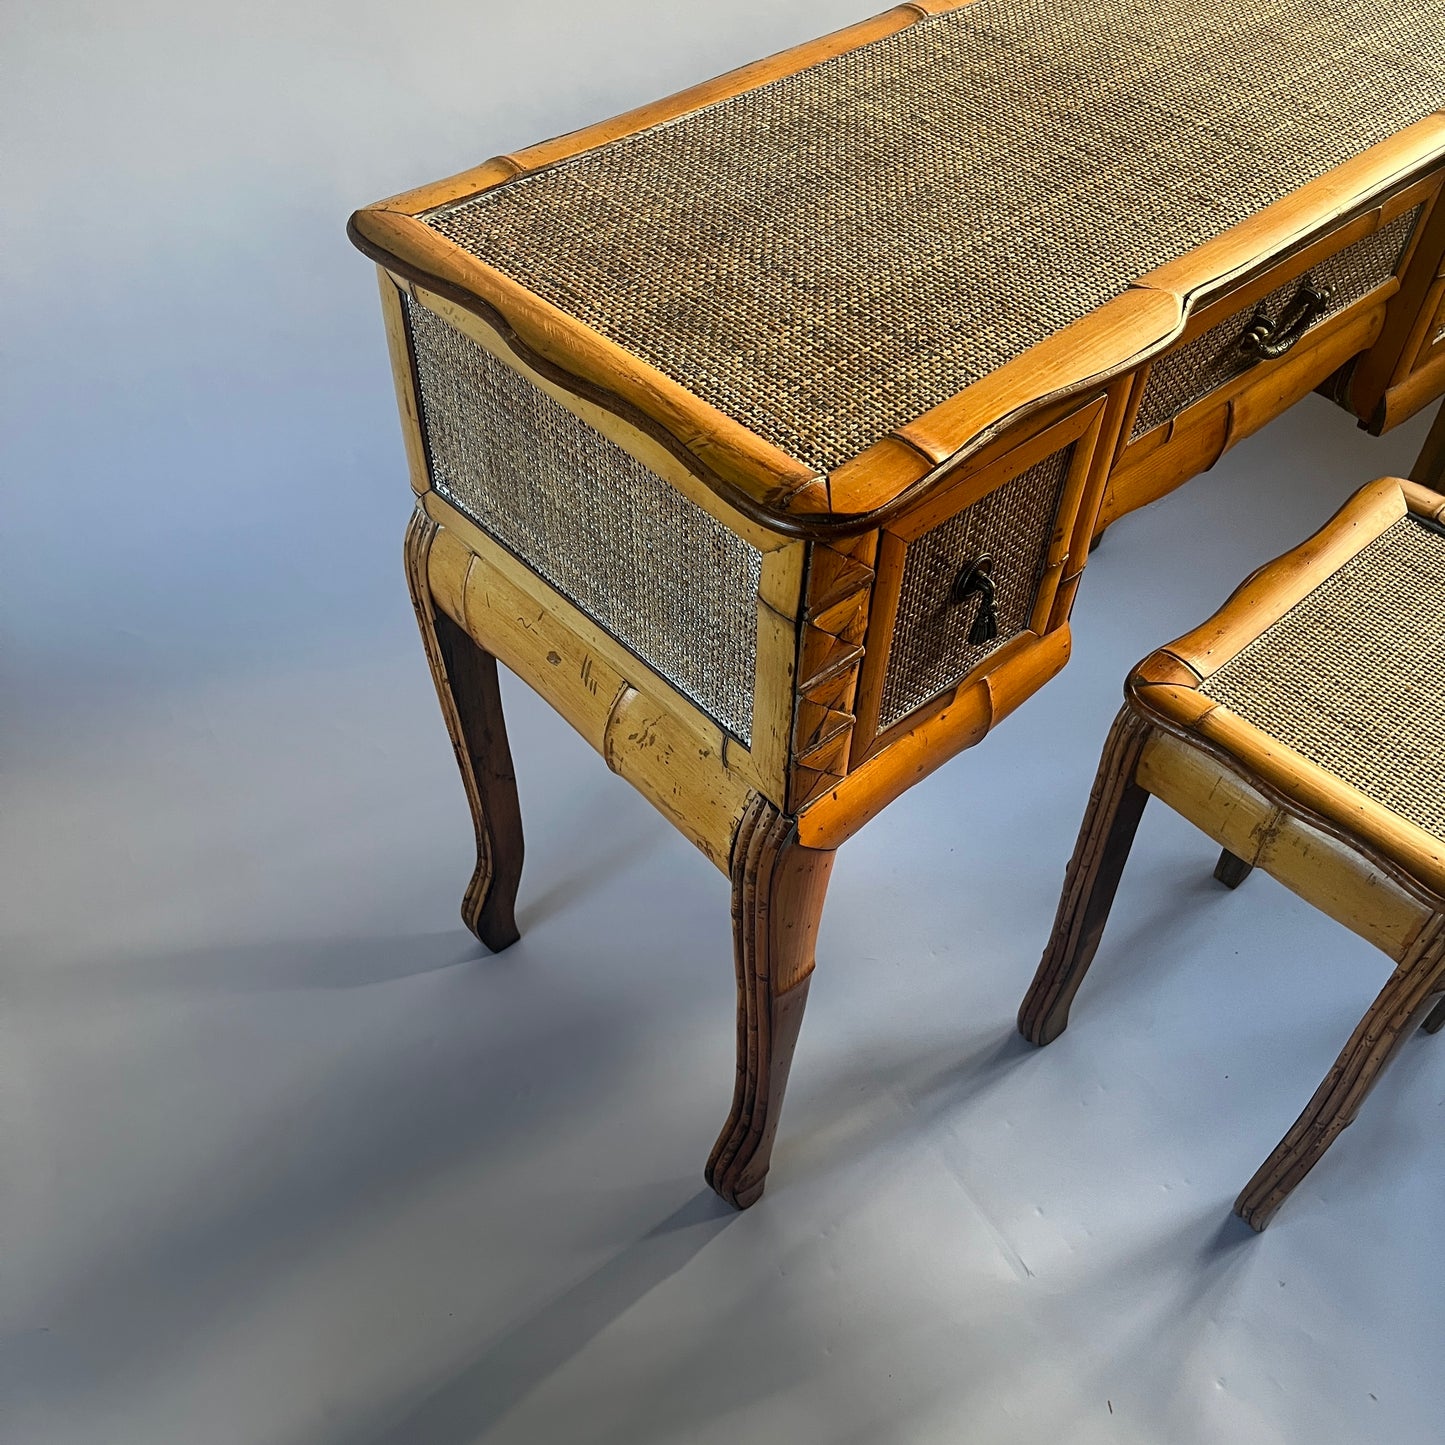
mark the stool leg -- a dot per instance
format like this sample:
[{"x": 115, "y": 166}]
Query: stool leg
[
  {"x": 1429, "y": 470},
  {"x": 1435, "y": 1020},
  {"x": 1393, "y": 1016},
  {"x": 778, "y": 891},
  {"x": 471, "y": 702},
  {"x": 1231, "y": 870},
  {"x": 1115, "y": 806}
]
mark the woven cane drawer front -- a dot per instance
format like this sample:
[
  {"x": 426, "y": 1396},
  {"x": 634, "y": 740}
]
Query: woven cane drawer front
[
  {"x": 1014, "y": 527},
  {"x": 664, "y": 577},
  {"x": 1188, "y": 374}
]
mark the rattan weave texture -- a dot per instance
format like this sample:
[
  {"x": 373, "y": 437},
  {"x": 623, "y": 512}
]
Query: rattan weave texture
[
  {"x": 665, "y": 578},
  {"x": 1181, "y": 377},
  {"x": 1014, "y": 525},
  {"x": 1353, "y": 676},
  {"x": 828, "y": 256}
]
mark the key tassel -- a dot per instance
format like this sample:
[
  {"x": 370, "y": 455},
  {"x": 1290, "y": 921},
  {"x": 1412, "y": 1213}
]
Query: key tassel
[
  {"x": 977, "y": 579},
  {"x": 985, "y": 622}
]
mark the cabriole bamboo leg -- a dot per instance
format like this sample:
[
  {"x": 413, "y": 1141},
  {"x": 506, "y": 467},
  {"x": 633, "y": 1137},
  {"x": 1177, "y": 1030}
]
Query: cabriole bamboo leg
[
  {"x": 1429, "y": 470},
  {"x": 471, "y": 702},
  {"x": 1392, "y": 1018},
  {"x": 1232, "y": 870},
  {"x": 1115, "y": 806},
  {"x": 778, "y": 891}
]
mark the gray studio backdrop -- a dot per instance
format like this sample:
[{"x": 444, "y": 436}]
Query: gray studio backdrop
[
  {"x": 282, "y": 1159},
  {"x": 200, "y": 455}
]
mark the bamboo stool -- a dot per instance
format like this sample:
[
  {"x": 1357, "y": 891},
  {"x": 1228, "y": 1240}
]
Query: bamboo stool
[{"x": 1302, "y": 728}]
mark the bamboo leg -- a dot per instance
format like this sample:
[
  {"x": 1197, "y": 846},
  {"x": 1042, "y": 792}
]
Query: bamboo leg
[
  {"x": 1435, "y": 1020},
  {"x": 1110, "y": 822},
  {"x": 778, "y": 891},
  {"x": 471, "y": 702},
  {"x": 1391, "y": 1019},
  {"x": 1429, "y": 470},
  {"x": 1231, "y": 870}
]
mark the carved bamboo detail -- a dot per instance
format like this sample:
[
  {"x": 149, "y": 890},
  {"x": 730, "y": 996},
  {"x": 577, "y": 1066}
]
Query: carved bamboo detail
[{"x": 830, "y": 652}]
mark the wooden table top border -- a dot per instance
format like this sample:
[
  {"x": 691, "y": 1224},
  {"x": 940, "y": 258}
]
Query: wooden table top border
[{"x": 758, "y": 478}]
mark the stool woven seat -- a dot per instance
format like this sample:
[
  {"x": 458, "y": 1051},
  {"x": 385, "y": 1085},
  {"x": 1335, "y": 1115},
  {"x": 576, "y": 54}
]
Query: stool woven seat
[
  {"x": 1302, "y": 728},
  {"x": 1353, "y": 676}
]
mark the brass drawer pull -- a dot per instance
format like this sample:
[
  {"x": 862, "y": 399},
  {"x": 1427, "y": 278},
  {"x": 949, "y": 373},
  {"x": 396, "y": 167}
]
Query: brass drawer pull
[
  {"x": 977, "y": 577},
  {"x": 1264, "y": 339}
]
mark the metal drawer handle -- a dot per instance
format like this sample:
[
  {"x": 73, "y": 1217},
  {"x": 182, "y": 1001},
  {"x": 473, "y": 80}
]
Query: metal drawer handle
[
  {"x": 977, "y": 577},
  {"x": 1264, "y": 339}
]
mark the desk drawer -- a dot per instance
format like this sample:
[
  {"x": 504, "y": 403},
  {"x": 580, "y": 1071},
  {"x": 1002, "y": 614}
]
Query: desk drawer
[
  {"x": 1262, "y": 346},
  {"x": 973, "y": 572},
  {"x": 1218, "y": 355}
]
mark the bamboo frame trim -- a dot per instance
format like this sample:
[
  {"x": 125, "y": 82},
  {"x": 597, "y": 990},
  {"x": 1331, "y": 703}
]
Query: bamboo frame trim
[
  {"x": 1374, "y": 901},
  {"x": 762, "y": 767},
  {"x": 1400, "y": 344},
  {"x": 748, "y": 472},
  {"x": 1225, "y": 302},
  {"x": 1417, "y": 391},
  {"x": 1271, "y": 590},
  {"x": 832, "y": 818},
  {"x": 780, "y": 599},
  {"x": 673, "y": 759},
  {"x": 637, "y": 443},
  {"x": 1288, "y": 799},
  {"x": 751, "y": 474},
  {"x": 1196, "y": 439},
  {"x": 403, "y": 375}
]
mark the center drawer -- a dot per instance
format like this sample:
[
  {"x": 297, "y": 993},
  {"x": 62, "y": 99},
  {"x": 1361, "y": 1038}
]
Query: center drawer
[
  {"x": 1289, "y": 313},
  {"x": 1266, "y": 342}
]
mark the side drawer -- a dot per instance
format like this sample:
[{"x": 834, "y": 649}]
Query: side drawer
[
  {"x": 974, "y": 573},
  {"x": 1253, "y": 352}
]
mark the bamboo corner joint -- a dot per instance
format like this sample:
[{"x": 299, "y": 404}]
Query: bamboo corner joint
[{"x": 782, "y": 512}]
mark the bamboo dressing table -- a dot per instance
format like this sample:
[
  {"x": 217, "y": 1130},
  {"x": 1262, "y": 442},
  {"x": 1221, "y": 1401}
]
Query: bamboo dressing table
[{"x": 764, "y": 431}]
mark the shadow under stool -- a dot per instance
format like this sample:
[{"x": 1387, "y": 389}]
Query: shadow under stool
[{"x": 1303, "y": 728}]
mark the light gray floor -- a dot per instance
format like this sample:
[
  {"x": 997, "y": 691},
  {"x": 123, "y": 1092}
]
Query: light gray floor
[{"x": 287, "y": 1159}]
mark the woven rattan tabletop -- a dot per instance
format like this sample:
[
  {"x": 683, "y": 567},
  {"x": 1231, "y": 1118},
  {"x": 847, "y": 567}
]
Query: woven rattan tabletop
[
  {"x": 826, "y": 257},
  {"x": 1352, "y": 677}
]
